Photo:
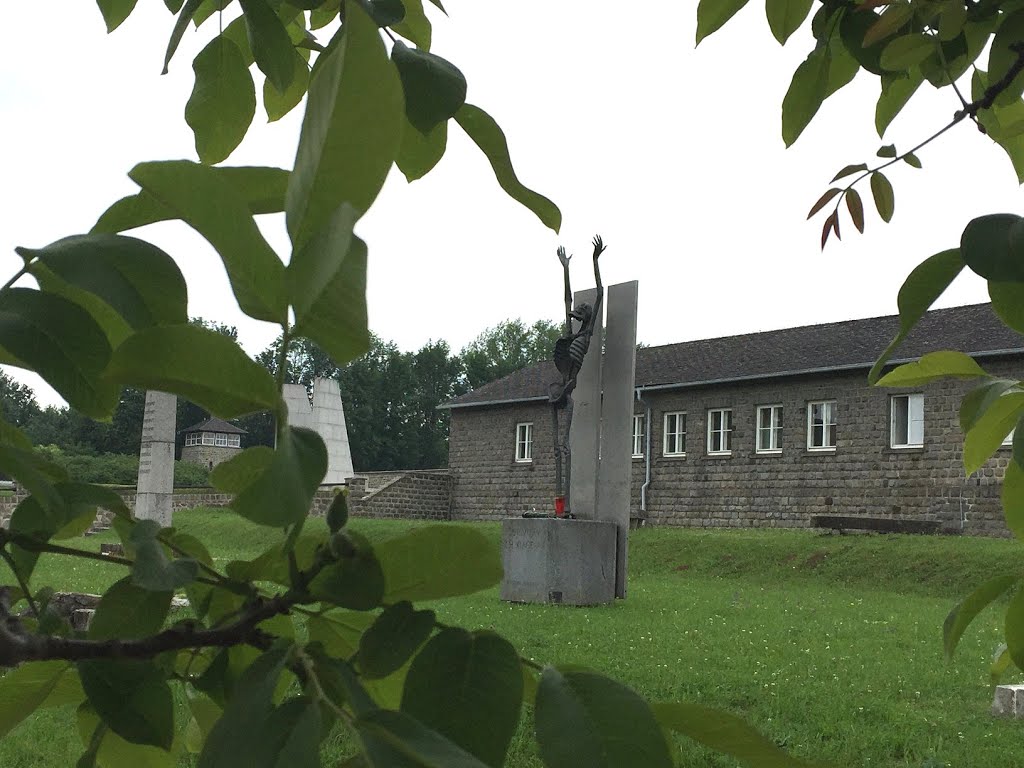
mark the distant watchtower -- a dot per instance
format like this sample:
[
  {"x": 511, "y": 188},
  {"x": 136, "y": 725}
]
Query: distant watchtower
[{"x": 210, "y": 442}]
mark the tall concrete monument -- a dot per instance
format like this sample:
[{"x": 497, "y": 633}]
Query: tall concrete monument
[
  {"x": 326, "y": 416},
  {"x": 578, "y": 555},
  {"x": 155, "y": 487}
]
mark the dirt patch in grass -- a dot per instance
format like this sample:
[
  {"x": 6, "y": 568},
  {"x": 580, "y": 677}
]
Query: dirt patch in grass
[{"x": 815, "y": 559}]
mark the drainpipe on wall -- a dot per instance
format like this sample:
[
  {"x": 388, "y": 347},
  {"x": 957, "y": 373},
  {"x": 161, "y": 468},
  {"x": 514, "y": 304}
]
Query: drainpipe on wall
[{"x": 647, "y": 450}]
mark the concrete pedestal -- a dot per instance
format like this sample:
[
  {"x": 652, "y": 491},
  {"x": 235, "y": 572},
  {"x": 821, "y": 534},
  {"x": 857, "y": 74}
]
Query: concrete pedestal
[{"x": 547, "y": 560}]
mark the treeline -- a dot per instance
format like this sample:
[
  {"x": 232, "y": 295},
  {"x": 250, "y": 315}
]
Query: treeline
[{"x": 390, "y": 397}]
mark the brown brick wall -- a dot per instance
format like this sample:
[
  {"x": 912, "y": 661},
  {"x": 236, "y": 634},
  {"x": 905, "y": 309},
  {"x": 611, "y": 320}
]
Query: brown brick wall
[{"x": 863, "y": 476}]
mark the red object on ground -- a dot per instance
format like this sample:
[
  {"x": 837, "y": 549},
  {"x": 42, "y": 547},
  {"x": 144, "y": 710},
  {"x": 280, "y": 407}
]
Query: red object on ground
[{"x": 559, "y": 506}]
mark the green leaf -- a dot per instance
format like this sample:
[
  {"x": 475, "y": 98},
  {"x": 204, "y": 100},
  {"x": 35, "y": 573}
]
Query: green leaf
[
  {"x": 283, "y": 493},
  {"x": 138, "y": 280},
  {"x": 209, "y": 369},
  {"x": 1002, "y": 125},
  {"x": 434, "y": 88},
  {"x": 1013, "y": 497},
  {"x": 277, "y": 104},
  {"x": 337, "y": 513},
  {"x": 34, "y": 472},
  {"x": 993, "y": 247},
  {"x": 415, "y": 26},
  {"x": 115, "y": 751},
  {"x": 127, "y": 611},
  {"x": 486, "y": 134},
  {"x": 24, "y": 689},
  {"x": 61, "y": 342},
  {"x": 327, "y": 286},
  {"x": 187, "y": 12},
  {"x": 1008, "y": 303},
  {"x": 393, "y": 738},
  {"x": 823, "y": 201},
  {"x": 262, "y": 190},
  {"x": 132, "y": 698},
  {"x": 393, "y": 639},
  {"x": 586, "y": 719},
  {"x": 152, "y": 569},
  {"x": 469, "y": 688},
  {"x": 849, "y": 170},
  {"x": 990, "y": 430},
  {"x": 350, "y": 132},
  {"x": 1001, "y": 58},
  {"x": 339, "y": 631},
  {"x": 115, "y": 11},
  {"x": 323, "y": 15},
  {"x": 244, "y": 736},
  {"x": 723, "y": 732},
  {"x": 223, "y": 101},
  {"x": 912, "y": 160},
  {"x": 786, "y": 16},
  {"x": 897, "y": 89},
  {"x": 931, "y": 367},
  {"x": 807, "y": 91},
  {"x": 892, "y": 20},
  {"x": 856, "y": 209},
  {"x": 952, "y": 17},
  {"x": 1015, "y": 628},
  {"x": 385, "y": 13},
  {"x": 712, "y": 14},
  {"x": 436, "y": 561},
  {"x": 906, "y": 51},
  {"x": 418, "y": 154},
  {"x": 242, "y": 470},
  {"x": 1001, "y": 662},
  {"x": 978, "y": 400},
  {"x": 202, "y": 197},
  {"x": 271, "y": 46},
  {"x": 921, "y": 288},
  {"x": 853, "y": 27},
  {"x": 356, "y": 581},
  {"x": 885, "y": 199}
]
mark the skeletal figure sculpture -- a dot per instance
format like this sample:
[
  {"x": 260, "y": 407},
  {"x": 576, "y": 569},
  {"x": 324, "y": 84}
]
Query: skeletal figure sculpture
[{"x": 570, "y": 351}]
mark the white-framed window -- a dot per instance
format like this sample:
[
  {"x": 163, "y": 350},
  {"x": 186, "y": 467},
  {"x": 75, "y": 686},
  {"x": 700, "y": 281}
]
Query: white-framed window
[
  {"x": 675, "y": 434},
  {"x": 234, "y": 441},
  {"x": 222, "y": 439},
  {"x": 524, "y": 442},
  {"x": 208, "y": 438},
  {"x": 720, "y": 430},
  {"x": 769, "y": 429},
  {"x": 639, "y": 434},
  {"x": 906, "y": 421},
  {"x": 821, "y": 425}
]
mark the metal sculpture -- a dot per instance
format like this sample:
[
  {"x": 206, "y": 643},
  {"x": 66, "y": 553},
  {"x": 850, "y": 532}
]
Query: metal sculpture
[{"x": 570, "y": 351}]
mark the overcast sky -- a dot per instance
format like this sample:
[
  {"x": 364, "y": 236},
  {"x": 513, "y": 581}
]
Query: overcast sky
[{"x": 673, "y": 154}]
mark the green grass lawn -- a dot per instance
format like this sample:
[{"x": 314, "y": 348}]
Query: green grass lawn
[{"x": 830, "y": 645}]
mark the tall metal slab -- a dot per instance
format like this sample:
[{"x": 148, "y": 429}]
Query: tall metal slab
[
  {"x": 155, "y": 487},
  {"x": 585, "y": 432},
  {"x": 615, "y": 475},
  {"x": 329, "y": 421}
]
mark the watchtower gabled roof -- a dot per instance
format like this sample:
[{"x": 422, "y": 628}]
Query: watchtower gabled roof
[
  {"x": 848, "y": 345},
  {"x": 213, "y": 424}
]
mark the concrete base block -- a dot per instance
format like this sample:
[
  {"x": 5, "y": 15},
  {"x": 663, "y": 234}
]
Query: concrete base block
[
  {"x": 1008, "y": 701},
  {"x": 547, "y": 560}
]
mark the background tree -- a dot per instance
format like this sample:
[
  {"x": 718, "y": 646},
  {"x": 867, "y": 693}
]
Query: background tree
[{"x": 507, "y": 347}]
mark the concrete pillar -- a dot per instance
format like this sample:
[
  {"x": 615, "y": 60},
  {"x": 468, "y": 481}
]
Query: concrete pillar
[
  {"x": 329, "y": 421},
  {"x": 616, "y": 464},
  {"x": 300, "y": 412},
  {"x": 585, "y": 432},
  {"x": 156, "y": 459}
]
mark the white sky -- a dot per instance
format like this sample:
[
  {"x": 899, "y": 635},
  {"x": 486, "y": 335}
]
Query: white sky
[{"x": 672, "y": 154}]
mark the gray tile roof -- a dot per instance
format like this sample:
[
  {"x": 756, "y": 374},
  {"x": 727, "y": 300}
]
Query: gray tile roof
[
  {"x": 848, "y": 345},
  {"x": 213, "y": 424}
]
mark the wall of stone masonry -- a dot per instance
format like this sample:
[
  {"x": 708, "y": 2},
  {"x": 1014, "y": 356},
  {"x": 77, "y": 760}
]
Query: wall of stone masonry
[{"x": 862, "y": 476}]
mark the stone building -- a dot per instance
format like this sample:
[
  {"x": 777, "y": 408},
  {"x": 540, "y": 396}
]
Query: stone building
[
  {"x": 762, "y": 429},
  {"x": 210, "y": 442}
]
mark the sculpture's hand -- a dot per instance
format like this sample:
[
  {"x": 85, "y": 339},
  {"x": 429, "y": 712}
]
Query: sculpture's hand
[
  {"x": 562, "y": 257},
  {"x": 599, "y": 246}
]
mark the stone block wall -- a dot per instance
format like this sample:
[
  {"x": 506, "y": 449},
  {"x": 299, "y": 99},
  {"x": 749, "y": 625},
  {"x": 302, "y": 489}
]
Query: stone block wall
[
  {"x": 421, "y": 494},
  {"x": 208, "y": 456},
  {"x": 862, "y": 476}
]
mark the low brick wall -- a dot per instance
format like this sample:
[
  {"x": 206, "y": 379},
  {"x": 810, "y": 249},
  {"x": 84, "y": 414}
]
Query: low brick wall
[{"x": 419, "y": 494}]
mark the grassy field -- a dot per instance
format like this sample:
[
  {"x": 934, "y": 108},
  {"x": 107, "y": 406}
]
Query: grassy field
[{"x": 830, "y": 645}]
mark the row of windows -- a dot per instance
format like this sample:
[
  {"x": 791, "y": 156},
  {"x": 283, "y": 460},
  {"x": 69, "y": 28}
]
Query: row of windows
[
  {"x": 213, "y": 438},
  {"x": 906, "y": 429}
]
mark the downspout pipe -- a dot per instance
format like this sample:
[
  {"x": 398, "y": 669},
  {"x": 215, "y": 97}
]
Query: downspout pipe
[{"x": 647, "y": 450}]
